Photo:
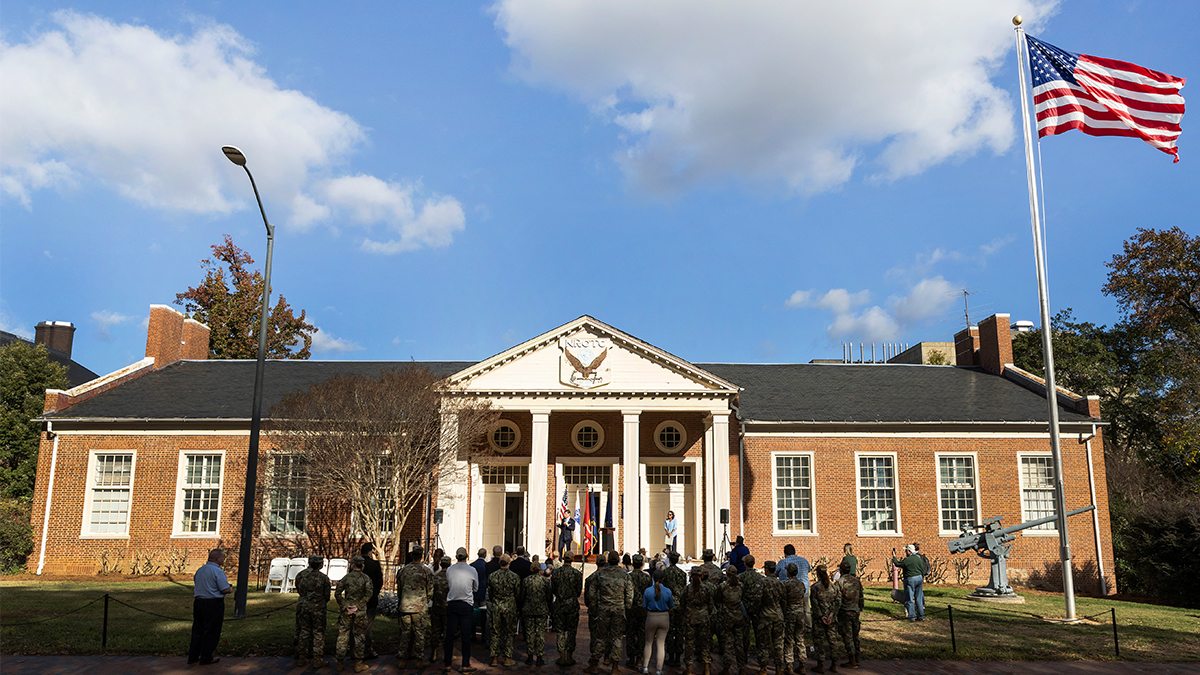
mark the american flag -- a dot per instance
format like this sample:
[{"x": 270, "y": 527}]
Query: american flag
[
  {"x": 563, "y": 510},
  {"x": 1104, "y": 97}
]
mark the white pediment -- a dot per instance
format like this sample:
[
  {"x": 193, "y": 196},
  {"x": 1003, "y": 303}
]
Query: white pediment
[{"x": 587, "y": 355}]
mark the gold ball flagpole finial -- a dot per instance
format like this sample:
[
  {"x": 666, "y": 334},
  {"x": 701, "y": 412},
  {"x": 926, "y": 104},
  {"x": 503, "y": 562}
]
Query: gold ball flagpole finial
[{"x": 1017, "y": 20}]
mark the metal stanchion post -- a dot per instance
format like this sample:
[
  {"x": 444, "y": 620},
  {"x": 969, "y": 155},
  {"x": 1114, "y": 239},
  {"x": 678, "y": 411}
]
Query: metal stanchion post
[
  {"x": 953, "y": 639},
  {"x": 104, "y": 626},
  {"x": 1116, "y": 642}
]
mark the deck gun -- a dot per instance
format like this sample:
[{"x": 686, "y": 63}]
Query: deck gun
[{"x": 993, "y": 542}]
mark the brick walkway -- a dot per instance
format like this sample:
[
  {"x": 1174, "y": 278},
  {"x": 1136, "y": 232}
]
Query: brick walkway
[{"x": 69, "y": 665}]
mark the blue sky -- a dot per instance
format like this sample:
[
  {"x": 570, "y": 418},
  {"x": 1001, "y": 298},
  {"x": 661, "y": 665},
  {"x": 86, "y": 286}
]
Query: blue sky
[{"x": 730, "y": 183}]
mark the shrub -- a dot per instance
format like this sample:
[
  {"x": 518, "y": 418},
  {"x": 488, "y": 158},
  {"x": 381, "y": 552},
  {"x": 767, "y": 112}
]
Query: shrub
[
  {"x": 1156, "y": 550},
  {"x": 16, "y": 535}
]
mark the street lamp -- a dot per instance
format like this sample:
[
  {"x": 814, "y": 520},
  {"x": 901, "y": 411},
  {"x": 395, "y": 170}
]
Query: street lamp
[{"x": 243, "y": 575}]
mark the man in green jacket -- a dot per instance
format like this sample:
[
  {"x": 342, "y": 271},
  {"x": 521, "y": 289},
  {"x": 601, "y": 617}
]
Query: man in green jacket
[
  {"x": 912, "y": 568},
  {"x": 352, "y": 595}
]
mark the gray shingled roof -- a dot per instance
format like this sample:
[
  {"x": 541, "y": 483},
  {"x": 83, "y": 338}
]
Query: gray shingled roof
[
  {"x": 805, "y": 392},
  {"x": 225, "y": 389},
  {"x": 778, "y": 392}
]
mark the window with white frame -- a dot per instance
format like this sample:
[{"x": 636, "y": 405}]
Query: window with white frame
[
  {"x": 110, "y": 483},
  {"x": 668, "y": 474},
  {"x": 793, "y": 493},
  {"x": 385, "y": 505},
  {"x": 1037, "y": 490},
  {"x": 200, "y": 493},
  {"x": 957, "y": 496},
  {"x": 287, "y": 494},
  {"x": 504, "y": 474},
  {"x": 587, "y": 475},
  {"x": 877, "y": 494}
]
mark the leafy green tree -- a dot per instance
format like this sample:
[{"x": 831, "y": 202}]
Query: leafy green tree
[
  {"x": 229, "y": 301},
  {"x": 26, "y": 372}
]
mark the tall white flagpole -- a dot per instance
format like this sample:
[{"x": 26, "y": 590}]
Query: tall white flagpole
[{"x": 1039, "y": 256}]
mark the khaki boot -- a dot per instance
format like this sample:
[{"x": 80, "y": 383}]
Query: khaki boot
[
  {"x": 360, "y": 667},
  {"x": 301, "y": 662},
  {"x": 317, "y": 664}
]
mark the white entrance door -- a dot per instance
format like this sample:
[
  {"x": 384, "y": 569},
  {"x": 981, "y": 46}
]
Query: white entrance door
[
  {"x": 669, "y": 488},
  {"x": 505, "y": 503}
]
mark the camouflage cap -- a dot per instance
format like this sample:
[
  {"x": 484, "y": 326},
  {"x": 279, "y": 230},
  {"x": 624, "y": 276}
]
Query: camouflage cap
[
  {"x": 638, "y": 559},
  {"x": 445, "y": 560},
  {"x": 357, "y": 561},
  {"x": 315, "y": 561},
  {"x": 708, "y": 554}
]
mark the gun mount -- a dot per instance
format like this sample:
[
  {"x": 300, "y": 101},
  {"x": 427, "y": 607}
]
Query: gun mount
[{"x": 993, "y": 542}]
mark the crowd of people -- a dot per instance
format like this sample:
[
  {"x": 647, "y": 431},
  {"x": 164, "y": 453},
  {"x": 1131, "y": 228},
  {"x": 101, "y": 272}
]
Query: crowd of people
[{"x": 638, "y": 607}]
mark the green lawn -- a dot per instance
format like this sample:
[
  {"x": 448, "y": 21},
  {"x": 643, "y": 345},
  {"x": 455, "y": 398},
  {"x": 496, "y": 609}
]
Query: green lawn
[{"x": 985, "y": 632}]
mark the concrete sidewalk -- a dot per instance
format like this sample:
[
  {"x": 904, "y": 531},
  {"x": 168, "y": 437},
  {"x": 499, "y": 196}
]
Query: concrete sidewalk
[{"x": 21, "y": 665}]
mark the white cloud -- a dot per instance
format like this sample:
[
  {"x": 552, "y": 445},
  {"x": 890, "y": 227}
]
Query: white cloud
[
  {"x": 777, "y": 91},
  {"x": 10, "y": 325},
  {"x": 927, "y": 299},
  {"x": 325, "y": 342},
  {"x": 106, "y": 319},
  {"x": 367, "y": 200},
  {"x": 146, "y": 113}
]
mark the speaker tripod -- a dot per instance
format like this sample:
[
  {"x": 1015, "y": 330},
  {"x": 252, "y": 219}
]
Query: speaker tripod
[
  {"x": 726, "y": 546},
  {"x": 437, "y": 543}
]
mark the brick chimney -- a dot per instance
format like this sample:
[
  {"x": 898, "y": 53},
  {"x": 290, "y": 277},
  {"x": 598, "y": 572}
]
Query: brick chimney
[
  {"x": 966, "y": 347},
  {"x": 56, "y": 336},
  {"x": 172, "y": 337},
  {"x": 995, "y": 343}
]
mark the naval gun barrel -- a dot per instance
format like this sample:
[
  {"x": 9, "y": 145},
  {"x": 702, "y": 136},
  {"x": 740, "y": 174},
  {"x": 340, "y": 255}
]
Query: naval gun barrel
[{"x": 1042, "y": 521}]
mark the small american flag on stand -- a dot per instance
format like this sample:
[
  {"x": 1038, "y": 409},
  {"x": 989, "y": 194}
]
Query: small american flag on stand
[
  {"x": 1104, "y": 97},
  {"x": 563, "y": 510}
]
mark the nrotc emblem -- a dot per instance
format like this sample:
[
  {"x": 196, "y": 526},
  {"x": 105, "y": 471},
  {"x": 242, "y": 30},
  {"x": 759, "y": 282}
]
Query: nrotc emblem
[{"x": 584, "y": 361}]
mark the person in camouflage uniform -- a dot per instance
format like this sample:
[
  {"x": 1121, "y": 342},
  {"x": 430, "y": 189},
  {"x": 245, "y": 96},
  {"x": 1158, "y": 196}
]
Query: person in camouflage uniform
[
  {"x": 601, "y": 562},
  {"x": 313, "y": 587},
  {"x": 535, "y": 613},
  {"x": 566, "y": 583},
  {"x": 676, "y": 580},
  {"x": 752, "y": 589},
  {"x": 850, "y": 604},
  {"x": 697, "y": 606},
  {"x": 796, "y": 620},
  {"x": 730, "y": 617},
  {"x": 437, "y": 609},
  {"x": 352, "y": 594},
  {"x": 503, "y": 587},
  {"x": 612, "y": 596},
  {"x": 712, "y": 571},
  {"x": 635, "y": 618},
  {"x": 825, "y": 604},
  {"x": 414, "y": 590},
  {"x": 768, "y": 625}
]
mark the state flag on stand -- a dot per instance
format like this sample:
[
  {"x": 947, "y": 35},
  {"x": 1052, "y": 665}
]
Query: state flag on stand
[{"x": 1104, "y": 97}]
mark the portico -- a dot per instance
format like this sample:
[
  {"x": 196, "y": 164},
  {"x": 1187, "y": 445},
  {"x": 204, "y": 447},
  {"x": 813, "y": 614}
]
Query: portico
[{"x": 623, "y": 430}]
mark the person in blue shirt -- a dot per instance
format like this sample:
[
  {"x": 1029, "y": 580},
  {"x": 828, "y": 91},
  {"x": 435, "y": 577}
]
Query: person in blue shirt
[
  {"x": 671, "y": 533},
  {"x": 658, "y": 603},
  {"x": 740, "y": 550},
  {"x": 789, "y": 556},
  {"x": 208, "y": 608}
]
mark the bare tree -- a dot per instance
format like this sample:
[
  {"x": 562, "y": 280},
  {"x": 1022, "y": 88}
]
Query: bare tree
[{"x": 379, "y": 444}]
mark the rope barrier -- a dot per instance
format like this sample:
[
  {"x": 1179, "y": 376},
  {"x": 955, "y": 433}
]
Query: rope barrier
[
  {"x": 146, "y": 611},
  {"x": 52, "y": 618}
]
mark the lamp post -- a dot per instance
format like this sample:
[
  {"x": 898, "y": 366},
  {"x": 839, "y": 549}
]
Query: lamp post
[{"x": 243, "y": 575}]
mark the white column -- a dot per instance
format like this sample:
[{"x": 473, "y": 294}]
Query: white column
[
  {"x": 452, "y": 489},
  {"x": 721, "y": 487},
  {"x": 631, "y": 515},
  {"x": 710, "y": 498},
  {"x": 535, "y": 519}
]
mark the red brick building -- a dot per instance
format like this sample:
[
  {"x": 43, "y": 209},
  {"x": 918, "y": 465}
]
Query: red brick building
[{"x": 150, "y": 460}]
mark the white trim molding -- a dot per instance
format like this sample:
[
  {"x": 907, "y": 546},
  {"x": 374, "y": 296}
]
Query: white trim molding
[{"x": 1031, "y": 532}]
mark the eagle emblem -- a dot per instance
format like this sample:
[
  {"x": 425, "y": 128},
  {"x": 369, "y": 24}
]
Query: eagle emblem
[
  {"x": 584, "y": 361},
  {"x": 586, "y": 371}
]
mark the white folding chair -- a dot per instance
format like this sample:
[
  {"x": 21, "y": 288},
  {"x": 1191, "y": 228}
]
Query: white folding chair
[
  {"x": 338, "y": 568},
  {"x": 277, "y": 576},
  {"x": 296, "y": 566},
  {"x": 325, "y": 567}
]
